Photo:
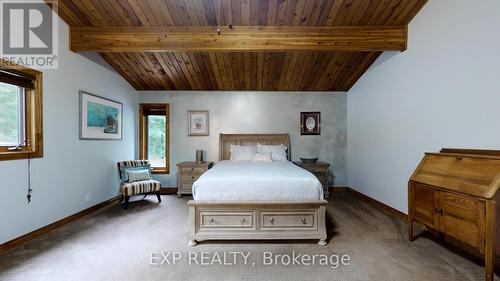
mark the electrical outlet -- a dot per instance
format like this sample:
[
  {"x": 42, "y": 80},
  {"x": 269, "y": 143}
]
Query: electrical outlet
[{"x": 87, "y": 197}]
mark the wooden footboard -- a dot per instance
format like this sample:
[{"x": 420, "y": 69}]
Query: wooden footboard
[{"x": 255, "y": 220}]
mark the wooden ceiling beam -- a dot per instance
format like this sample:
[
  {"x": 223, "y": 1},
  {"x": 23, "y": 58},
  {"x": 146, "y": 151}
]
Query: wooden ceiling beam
[{"x": 238, "y": 39}]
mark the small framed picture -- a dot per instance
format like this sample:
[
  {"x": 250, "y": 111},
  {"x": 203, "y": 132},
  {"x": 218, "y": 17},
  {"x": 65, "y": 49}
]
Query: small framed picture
[
  {"x": 310, "y": 123},
  {"x": 100, "y": 118},
  {"x": 198, "y": 123}
]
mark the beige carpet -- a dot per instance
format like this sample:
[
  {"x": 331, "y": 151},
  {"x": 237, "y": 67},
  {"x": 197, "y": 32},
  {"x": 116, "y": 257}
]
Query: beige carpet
[{"x": 117, "y": 245}]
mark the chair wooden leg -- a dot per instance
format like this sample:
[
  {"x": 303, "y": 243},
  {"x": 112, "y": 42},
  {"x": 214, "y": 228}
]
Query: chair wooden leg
[
  {"x": 158, "y": 195},
  {"x": 121, "y": 198},
  {"x": 125, "y": 206}
]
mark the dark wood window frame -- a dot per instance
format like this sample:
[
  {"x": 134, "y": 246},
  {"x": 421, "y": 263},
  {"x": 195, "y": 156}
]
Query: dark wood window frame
[
  {"x": 144, "y": 108},
  {"x": 31, "y": 80}
]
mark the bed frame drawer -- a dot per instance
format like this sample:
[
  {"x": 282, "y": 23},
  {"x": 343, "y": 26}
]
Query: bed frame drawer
[
  {"x": 262, "y": 220},
  {"x": 215, "y": 220},
  {"x": 280, "y": 220}
]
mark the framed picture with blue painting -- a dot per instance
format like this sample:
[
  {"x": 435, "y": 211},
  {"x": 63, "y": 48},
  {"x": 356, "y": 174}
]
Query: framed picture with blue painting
[{"x": 100, "y": 118}]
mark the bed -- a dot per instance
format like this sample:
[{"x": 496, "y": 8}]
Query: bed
[{"x": 256, "y": 201}]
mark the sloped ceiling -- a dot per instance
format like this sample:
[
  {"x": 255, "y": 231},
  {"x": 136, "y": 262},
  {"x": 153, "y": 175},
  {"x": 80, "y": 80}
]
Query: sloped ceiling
[{"x": 319, "y": 54}]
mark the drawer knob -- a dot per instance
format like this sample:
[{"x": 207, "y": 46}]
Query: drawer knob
[
  {"x": 192, "y": 177},
  {"x": 211, "y": 220},
  {"x": 243, "y": 220},
  {"x": 303, "y": 220},
  {"x": 192, "y": 169},
  {"x": 271, "y": 220}
]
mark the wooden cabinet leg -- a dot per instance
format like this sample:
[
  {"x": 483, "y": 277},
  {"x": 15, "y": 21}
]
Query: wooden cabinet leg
[
  {"x": 410, "y": 230},
  {"x": 489, "y": 247},
  {"x": 410, "y": 211}
]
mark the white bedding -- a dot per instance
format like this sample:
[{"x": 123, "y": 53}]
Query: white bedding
[{"x": 258, "y": 181}]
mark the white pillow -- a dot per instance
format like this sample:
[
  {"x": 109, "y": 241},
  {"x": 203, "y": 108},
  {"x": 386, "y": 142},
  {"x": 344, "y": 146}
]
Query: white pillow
[
  {"x": 243, "y": 152},
  {"x": 260, "y": 157},
  {"x": 278, "y": 152}
]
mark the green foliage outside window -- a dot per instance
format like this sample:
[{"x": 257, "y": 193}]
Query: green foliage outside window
[
  {"x": 9, "y": 114},
  {"x": 156, "y": 137}
]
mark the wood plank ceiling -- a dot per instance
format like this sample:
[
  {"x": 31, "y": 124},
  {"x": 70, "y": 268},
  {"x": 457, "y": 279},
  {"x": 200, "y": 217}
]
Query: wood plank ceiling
[{"x": 262, "y": 70}]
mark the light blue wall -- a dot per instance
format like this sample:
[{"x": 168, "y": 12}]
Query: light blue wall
[
  {"x": 441, "y": 92},
  {"x": 70, "y": 167}
]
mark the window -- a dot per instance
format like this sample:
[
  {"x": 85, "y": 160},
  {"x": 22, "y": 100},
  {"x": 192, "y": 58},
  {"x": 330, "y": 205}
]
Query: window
[
  {"x": 154, "y": 136},
  {"x": 20, "y": 114},
  {"x": 11, "y": 115}
]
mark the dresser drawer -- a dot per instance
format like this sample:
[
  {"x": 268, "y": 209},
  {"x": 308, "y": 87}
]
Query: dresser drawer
[
  {"x": 187, "y": 174},
  {"x": 279, "y": 220},
  {"x": 461, "y": 206},
  {"x": 186, "y": 188},
  {"x": 199, "y": 170},
  {"x": 189, "y": 178},
  {"x": 318, "y": 170},
  {"x": 324, "y": 180},
  {"x": 238, "y": 220}
]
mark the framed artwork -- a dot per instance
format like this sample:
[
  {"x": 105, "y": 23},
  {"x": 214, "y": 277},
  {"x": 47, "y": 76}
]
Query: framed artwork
[
  {"x": 310, "y": 123},
  {"x": 100, "y": 118},
  {"x": 198, "y": 123}
]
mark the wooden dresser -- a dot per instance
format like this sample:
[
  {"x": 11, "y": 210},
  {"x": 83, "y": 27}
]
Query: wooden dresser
[
  {"x": 454, "y": 193},
  {"x": 322, "y": 171},
  {"x": 187, "y": 173}
]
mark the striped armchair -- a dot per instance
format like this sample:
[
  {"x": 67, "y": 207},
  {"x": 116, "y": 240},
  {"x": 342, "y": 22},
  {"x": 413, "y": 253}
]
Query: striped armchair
[{"x": 138, "y": 187}]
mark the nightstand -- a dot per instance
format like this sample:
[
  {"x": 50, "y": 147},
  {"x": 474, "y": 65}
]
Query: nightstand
[
  {"x": 321, "y": 170},
  {"x": 187, "y": 173}
]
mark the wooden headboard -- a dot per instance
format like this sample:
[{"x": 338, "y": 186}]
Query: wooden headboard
[{"x": 225, "y": 141}]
